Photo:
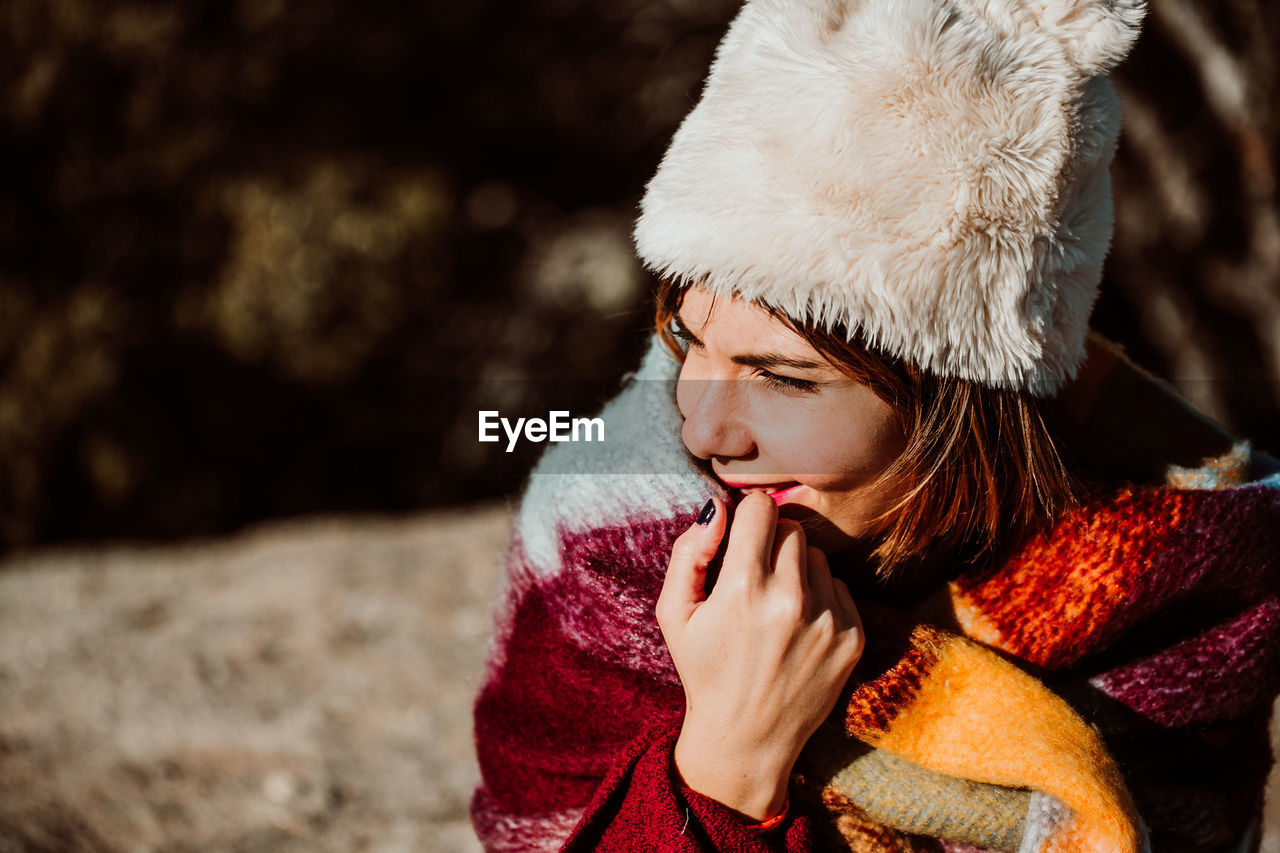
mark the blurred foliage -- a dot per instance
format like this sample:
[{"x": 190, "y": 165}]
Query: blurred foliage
[
  {"x": 258, "y": 257},
  {"x": 1193, "y": 281}
]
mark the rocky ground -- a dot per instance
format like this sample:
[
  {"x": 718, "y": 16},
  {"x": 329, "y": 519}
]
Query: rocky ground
[{"x": 300, "y": 686}]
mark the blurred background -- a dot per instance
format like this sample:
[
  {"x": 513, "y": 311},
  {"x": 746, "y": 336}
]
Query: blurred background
[{"x": 257, "y": 257}]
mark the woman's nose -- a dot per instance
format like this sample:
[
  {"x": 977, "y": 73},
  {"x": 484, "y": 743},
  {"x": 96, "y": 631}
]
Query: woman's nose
[{"x": 714, "y": 422}]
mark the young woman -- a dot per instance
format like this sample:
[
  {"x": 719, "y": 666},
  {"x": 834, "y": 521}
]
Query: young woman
[{"x": 882, "y": 552}]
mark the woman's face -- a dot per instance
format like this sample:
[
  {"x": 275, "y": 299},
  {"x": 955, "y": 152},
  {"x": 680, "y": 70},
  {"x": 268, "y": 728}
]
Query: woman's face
[{"x": 768, "y": 412}]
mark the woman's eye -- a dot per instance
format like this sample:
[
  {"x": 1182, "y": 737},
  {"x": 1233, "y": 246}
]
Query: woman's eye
[
  {"x": 787, "y": 383},
  {"x": 679, "y": 331}
]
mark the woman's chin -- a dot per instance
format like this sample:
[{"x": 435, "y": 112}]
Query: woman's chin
[
  {"x": 821, "y": 532},
  {"x": 818, "y": 529}
]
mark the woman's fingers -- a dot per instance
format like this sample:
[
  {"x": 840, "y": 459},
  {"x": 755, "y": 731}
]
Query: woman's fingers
[
  {"x": 685, "y": 585},
  {"x": 789, "y": 560},
  {"x": 831, "y": 593},
  {"x": 748, "y": 557},
  {"x": 844, "y": 598},
  {"x": 762, "y": 659},
  {"x": 818, "y": 573},
  {"x": 848, "y": 612}
]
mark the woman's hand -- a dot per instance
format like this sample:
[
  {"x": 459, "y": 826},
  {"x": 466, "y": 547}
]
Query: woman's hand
[{"x": 762, "y": 658}]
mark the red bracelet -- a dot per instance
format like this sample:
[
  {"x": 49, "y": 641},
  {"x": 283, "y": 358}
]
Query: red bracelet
[{"x": 771, "y": 823}]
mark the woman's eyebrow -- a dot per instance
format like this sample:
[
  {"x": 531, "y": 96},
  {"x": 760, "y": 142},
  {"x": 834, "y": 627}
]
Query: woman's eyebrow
[
  {"x": 764, "y": 361},
  {"x": 770, "y": 360}
]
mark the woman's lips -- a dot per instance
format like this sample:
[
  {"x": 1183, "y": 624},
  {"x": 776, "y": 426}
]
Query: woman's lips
[{"x": 778, "y": 491}]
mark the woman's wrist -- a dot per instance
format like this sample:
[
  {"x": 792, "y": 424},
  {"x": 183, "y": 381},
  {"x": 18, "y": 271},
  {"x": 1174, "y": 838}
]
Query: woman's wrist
[
  {"x": 753, "y": 786},
  {"x": 773, "y": 822}
]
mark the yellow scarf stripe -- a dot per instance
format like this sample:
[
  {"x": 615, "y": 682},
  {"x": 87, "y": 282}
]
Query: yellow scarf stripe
[{"x": 971, "y": 714}]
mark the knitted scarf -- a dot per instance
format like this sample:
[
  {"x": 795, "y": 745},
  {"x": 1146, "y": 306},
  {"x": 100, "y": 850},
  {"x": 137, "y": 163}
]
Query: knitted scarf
[{"x": 1105, "y": 688}]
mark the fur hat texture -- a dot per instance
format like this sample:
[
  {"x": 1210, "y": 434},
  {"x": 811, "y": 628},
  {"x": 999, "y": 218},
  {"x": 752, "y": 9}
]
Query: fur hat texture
[{"x": 930, "y": 175}]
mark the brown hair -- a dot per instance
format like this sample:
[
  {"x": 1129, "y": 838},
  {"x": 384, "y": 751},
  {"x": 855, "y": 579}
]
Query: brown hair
[{"x": 981, "y": 467}]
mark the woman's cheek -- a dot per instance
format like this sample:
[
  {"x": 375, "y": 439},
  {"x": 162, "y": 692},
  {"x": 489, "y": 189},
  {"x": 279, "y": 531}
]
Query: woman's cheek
[
  {"x": 687, "y": 387},
  {"x": 799, "y": 447}
]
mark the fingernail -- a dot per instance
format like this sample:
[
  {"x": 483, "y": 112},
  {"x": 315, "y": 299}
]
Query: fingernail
[{"x": 708, "y": 513}]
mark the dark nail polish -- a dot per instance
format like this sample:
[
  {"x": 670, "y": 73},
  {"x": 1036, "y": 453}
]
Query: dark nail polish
[{"x": 708, "y": 513}]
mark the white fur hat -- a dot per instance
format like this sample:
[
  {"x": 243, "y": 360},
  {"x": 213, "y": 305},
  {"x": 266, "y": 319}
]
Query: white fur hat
[{"x": 929, "y": 174}]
